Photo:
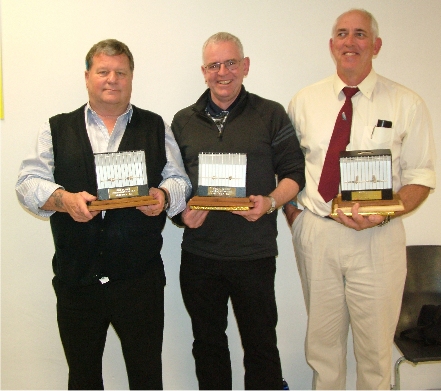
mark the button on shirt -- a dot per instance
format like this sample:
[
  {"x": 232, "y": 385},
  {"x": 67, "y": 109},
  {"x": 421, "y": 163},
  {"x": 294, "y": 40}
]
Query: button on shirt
[
  {"x": 313, "y": 111},
  {"x": 36, "y": 181}
]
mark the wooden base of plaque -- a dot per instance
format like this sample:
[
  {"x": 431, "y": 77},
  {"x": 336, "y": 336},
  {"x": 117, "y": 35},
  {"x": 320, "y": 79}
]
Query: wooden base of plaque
[
  {"x": 371, "y": 207},
  {"x": 128, "y": 202},
  {"x": 220, "y": 203}
]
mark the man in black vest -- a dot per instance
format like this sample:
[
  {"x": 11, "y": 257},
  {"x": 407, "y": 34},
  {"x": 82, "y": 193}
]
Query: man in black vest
[{"x": 107, "y": 265}]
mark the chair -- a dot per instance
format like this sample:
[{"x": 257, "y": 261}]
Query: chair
[{"x": 423, "y": 286}]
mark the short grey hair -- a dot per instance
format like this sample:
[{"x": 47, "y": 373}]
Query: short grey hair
[
  {"x": 374, "y": 23},
  {"x": 110, "y": 47},
  {"x": 223, "y": 37}
]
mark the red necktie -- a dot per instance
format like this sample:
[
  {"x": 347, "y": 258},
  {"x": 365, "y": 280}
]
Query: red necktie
[{"x": 330, "y": 178}]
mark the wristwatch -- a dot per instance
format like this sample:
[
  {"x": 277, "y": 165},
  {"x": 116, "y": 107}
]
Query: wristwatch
[
  {"x": 166, "y": 202},
  {"x": 273, "y": 205}
]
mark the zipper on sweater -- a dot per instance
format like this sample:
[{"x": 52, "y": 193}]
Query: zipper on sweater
[{"x": 219, "y": 124}]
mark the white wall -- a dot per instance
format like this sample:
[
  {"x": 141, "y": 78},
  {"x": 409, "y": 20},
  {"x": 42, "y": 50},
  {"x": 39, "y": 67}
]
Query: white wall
[{"x": 44, "y": 44}]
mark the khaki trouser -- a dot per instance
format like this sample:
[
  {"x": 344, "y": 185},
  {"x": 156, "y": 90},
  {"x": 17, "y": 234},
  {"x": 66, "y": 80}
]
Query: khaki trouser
[{"x": 350, "y": 277}]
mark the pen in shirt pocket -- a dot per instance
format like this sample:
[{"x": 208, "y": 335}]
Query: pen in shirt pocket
[{"x": 381, "y": 123}]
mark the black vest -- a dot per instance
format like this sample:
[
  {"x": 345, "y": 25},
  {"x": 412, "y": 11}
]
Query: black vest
[{"x": 125, "y": 242}]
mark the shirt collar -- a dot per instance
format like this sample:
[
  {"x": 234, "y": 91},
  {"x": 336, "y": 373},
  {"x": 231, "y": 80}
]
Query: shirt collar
[
  {"x": 92, "y": 112},
  {"x": 366, "y": 86},
  {"x": 215, "y": 110}
]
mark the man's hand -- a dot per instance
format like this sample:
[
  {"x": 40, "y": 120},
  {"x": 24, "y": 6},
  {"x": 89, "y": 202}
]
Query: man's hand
[
  {"x": 154, "y": 209},
  {"x": 193, "y": 218},
  {"x": 73, "y": 203},
  {"x": 261, "y": 206},
  {"x": 291, "y": 213},
  {"x": 411, "y": 195},
  {"x": 286, "y": 190},
  {"x": 357, "y": 221}
]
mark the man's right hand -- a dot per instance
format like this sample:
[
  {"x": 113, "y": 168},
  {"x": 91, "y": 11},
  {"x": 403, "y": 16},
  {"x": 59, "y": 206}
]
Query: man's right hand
[
  {"x": 193, "y": 218},
  {"x": 73, "y": 203},
  {"x": 291, "y": 213}
]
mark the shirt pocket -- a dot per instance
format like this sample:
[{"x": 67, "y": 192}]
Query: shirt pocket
[{"x": 377, "y": 137}]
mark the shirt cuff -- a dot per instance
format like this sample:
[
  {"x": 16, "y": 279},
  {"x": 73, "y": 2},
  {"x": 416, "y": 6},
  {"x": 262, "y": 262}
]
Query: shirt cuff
[
  {"x": 178, "y": 197},
  {"x": 33, "y": 194}
]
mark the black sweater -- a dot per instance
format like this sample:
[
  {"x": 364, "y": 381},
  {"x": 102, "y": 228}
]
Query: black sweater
[{"x": 261, "y": 129}]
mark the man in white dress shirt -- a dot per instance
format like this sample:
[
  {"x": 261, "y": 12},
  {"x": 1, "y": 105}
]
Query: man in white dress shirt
[{"x": 353, "y": 268}]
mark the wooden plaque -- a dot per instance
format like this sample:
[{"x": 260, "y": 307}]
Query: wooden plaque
[
  {"x": 220, "y": 203},
  {"x": 377, "y": 207},
  {"x": 129, "y": 202}
]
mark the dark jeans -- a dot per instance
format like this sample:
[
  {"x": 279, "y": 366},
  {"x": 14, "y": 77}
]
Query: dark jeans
[
  {"x": 206, "y": 286},
  {"x": 134, "y": 307}
]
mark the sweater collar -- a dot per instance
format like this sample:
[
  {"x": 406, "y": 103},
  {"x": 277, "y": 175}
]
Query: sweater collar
[{"x": 202, "y": 102}]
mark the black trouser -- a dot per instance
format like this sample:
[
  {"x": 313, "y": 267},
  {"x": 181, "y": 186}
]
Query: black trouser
[
  {"x": 206, "y": 286},
  {"x": 134, "y": 307}
]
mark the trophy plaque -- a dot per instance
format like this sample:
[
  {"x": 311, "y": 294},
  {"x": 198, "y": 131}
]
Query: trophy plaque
[
  {"x": 122, "y": 181},
  {"x": 222, "y": 182},
  {"x": 366, "y": 178}
]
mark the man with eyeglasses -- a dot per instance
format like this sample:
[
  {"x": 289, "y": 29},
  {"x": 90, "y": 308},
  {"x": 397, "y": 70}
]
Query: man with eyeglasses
[{"x": 231, "y": 255}]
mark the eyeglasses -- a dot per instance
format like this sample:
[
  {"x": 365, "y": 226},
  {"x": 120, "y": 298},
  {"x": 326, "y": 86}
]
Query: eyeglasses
[{"x": 215, "y": 67}]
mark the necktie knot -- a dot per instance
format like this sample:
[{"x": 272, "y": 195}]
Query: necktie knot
[{"x": 350, "y": 91}]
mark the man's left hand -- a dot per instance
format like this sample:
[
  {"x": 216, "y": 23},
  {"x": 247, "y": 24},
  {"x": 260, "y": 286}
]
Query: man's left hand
[
  {"x": 357, "y": 221},
  {"x": 154, "y": 209},
  {"x": 261, "y": 206}
]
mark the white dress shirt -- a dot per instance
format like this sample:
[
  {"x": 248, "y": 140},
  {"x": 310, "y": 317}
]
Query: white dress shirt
[{"x": 313, "y": 112}]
